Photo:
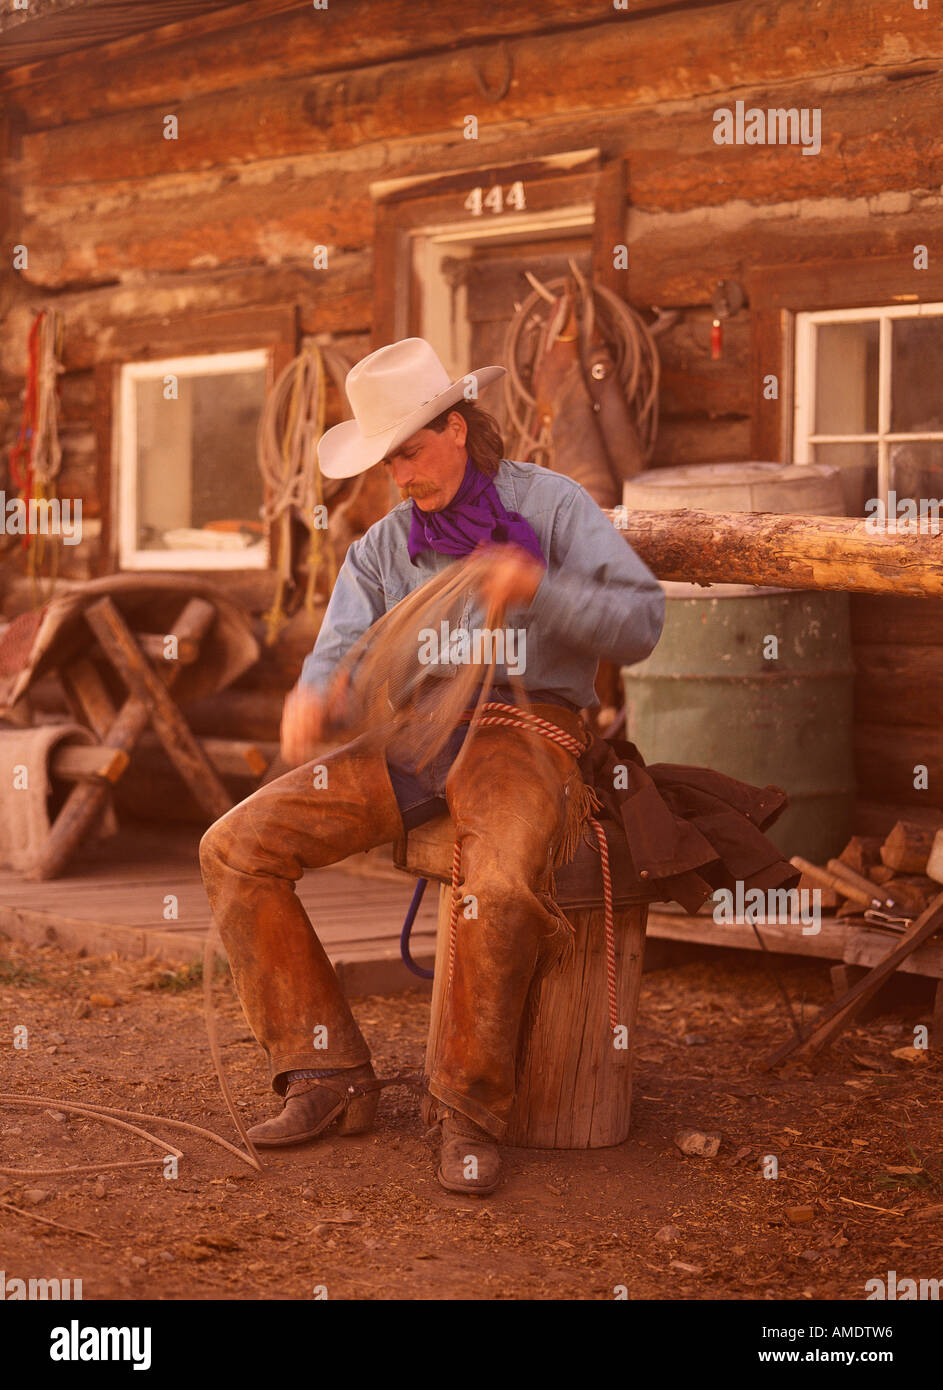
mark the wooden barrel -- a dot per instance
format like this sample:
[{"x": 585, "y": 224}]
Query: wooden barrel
[
  {"x": 576, "y": 1085},
  {"x": 575, "y": 1090}
]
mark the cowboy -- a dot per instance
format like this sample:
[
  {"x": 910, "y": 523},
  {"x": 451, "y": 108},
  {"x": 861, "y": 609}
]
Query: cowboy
[{"x": 566, "y": 577}]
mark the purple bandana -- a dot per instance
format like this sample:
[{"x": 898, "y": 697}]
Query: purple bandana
[{"x": 475, "y": 514}]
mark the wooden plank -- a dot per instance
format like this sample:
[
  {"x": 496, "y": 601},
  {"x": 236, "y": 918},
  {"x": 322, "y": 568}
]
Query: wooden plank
[
  {"x": 867, "y": 947},
  {"x": 829, "y": 943},
  {"x": 78, "y": 763},
  {"x": 169, "y": 724},
  {"x": 85, "y": 692},
  {"x": 841, "y": 1013},
  {"x": 106, "y": 384}
]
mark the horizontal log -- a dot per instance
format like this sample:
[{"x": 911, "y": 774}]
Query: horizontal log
[
  {"x": 678, "y": 56},
  {"x": 231, "y": 757},
  {"x": 794, "y": 552},
  {"x": 95, "y": 321},
  {"x": 674, "y": 258},
  {"x": 258, "y": 41},
  {"x": 677, "y": 258},
  {"x": 77, "y": 763}
]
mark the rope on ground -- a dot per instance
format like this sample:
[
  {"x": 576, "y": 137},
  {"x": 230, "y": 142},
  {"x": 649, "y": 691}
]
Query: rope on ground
[
  {"x": 209, "y": 1014},
  {"x": 118, "y": 1118}
]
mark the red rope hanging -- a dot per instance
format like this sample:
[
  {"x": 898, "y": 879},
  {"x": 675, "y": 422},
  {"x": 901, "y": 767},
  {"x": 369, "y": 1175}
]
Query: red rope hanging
[{"x": 21, "y": 453}]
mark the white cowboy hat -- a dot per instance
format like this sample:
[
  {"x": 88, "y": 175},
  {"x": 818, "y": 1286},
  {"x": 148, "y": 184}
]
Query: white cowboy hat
[{"x": 393, "y": 392}]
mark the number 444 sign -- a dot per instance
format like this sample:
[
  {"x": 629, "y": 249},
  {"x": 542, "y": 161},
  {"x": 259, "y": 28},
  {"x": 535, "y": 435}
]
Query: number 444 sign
[{"x": 495, "y": 199}]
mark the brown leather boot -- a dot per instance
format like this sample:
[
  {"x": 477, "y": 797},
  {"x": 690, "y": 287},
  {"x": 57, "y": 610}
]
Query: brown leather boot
[
  {"x": 313, "y": 1105},
  {"x": 469, "y": 1161}
]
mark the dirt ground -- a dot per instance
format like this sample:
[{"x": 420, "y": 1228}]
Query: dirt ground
[{"x": 858, "y": 1136}]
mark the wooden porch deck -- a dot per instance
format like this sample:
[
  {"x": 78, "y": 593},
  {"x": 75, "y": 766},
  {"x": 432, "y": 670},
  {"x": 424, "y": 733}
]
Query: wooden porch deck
[{"x": 114, "y": 901}]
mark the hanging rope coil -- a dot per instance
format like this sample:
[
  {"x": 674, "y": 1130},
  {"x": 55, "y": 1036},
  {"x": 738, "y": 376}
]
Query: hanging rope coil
[
  {"x": 36, "y": 456},
  {"x": 291, "y": 423},
  {"x": 626, "y": 333}
]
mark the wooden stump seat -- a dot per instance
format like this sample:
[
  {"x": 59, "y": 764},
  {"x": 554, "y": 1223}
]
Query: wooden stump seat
[{"x": 576, "y": 1085}]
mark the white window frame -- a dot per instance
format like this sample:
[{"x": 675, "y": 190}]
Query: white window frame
[
  {"x": 805, "y": 379},
  {"x": 129, "y": 556}
]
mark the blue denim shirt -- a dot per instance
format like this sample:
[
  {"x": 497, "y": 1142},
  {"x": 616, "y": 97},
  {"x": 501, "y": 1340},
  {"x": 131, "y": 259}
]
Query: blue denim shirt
[{"x": 597, "y": 599}]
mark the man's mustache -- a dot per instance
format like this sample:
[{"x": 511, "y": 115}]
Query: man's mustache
[{"x": 417, "y": 490}]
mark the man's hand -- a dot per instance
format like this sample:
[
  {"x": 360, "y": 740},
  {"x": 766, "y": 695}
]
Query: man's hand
[
  {"x": 303, "y": 720},
  {"x": 513, "y": 578}
]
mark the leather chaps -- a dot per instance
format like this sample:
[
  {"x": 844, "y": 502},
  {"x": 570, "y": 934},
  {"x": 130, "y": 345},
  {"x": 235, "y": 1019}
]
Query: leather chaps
[{"x": 513, "y": 796}]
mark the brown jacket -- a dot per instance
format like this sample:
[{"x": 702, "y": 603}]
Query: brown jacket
[{"x": 688, "y": 830}]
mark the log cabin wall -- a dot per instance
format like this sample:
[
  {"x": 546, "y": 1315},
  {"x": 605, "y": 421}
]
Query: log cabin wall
[{"x": 288, "y": 114}]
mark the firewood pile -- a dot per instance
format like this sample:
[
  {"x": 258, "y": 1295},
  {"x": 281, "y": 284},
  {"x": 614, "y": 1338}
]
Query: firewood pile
[{"x": 889, "y": 882}]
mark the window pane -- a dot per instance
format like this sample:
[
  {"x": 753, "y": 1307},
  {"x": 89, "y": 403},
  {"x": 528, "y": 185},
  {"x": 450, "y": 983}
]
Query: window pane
[
  {"x": 859, "y": 471},
  {"x": 917, "y": 468},
  {"x": 846, "y": 378},
  {"x": 916, "y": 373},
  {"x": 198, "y": 483}
]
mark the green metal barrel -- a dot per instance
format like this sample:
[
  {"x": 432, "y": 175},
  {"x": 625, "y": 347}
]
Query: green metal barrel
[
  {"x": 754, "y": 682},
  {"x": 709, "y": 696}
]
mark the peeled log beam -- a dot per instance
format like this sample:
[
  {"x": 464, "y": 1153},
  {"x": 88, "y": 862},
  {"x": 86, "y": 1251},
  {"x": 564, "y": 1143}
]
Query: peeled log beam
[{"x": 791, "y": 552}]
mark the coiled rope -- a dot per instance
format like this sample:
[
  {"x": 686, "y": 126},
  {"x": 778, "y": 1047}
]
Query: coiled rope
[
  {"x": 291, "y": 423},
  {"x": 36, "y": 456},
  {"x": 374, "y": 692},
  {"x": 629, "y": 338}
]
